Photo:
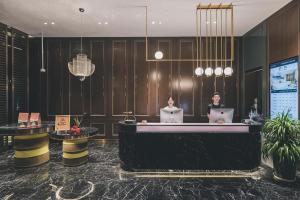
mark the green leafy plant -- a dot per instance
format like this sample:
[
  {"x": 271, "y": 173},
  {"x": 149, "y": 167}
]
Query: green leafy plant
[
  {"x": 282, "y": 138},
  {"x": 77, "y": 121}
]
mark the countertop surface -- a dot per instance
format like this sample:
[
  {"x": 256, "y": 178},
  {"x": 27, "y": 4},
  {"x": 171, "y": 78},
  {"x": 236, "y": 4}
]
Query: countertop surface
[{"x": 14, "y": 129}]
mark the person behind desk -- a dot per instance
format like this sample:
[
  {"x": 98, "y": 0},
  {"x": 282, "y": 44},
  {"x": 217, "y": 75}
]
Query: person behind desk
[
  {"x": 215, "y": 103},
  {"x": 170, "y": 113},
  {"x": 170, "y": 106}
]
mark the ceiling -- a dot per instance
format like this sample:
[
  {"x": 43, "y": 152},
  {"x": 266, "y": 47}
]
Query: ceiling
[{"x": 125, "y": 18}]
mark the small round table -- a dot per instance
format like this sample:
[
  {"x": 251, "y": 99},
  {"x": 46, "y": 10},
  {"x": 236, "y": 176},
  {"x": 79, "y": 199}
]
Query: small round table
[
  {"x": 31, "y": 144},
  {"x": 75, "y": 147}
]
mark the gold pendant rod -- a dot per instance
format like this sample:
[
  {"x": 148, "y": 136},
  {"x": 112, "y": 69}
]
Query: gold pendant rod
[{"x": 209, "y": 56}]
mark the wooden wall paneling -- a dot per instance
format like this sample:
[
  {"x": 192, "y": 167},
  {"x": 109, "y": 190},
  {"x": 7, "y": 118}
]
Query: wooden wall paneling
[
  {"x": 97, "y": 80},
  {"x": 198, "y": 82},
  {"x": 253, "y": 86},
  {"x": 275, "y": 35},
  {"x": 101, "y": 128},
  {"x": 54, "y": 77},
  {"x": 186, "y": 77},
  {"x": 119, "y": 58},
  {"x": 208, "y": 83},
  {"x": 3, "y": 76},
  {"x": 86, "y": 84},
  {"x": 77, "y": 97},
  {"x": 35, "y": 75},
  {"x": 19, "y": 73},
  {"x": 163, "y": 75},
  {"x": 174, "y": 82},
  {"x": 65, "y": 75},
  {"x": 141, "y": 80},
  {"x": 114, "y": 128},
  {"x": 130, "y": 74},
  {"x": 152, "y": 47},
  {"x": 219, "y": 81},
  {"x": 291, "y": 31},
  {"x": 119, "y": 77},
  {"x": 231, "y": 84}
]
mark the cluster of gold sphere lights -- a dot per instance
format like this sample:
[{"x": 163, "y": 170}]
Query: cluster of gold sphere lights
[
  {"x": 199, "y": 71},
  {"x": 214, "y": 27}
]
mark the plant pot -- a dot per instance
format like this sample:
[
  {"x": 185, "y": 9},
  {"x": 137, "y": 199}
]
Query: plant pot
[{"x": 284, "y": 171}]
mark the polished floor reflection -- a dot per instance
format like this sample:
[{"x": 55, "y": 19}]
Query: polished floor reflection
[{"x": 100, "y": 179}]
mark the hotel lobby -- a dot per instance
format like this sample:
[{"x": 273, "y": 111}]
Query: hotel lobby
[{"x": 149, "y": 100}]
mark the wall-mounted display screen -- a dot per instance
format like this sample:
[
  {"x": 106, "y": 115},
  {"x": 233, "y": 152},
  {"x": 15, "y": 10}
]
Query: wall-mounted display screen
[{"x": 284, "y": 88}]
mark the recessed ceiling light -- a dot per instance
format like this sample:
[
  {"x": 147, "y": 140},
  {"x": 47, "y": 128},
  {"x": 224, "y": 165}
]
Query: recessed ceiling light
[
  {"x": 105, "y": 23},
  {"x": 99, "y": 23},
  {"x": 159, "y": 22},
  {"x": 207, "y": 22},
  {"x": 45, "y": 23},
  {"x": 52, "y": 23},
  {"x": 153, "y": 22},
  {"x": 214, "y": 22},
  {"x": 30, "y": 36}
]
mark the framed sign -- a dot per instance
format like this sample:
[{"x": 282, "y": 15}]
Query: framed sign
[
  {"x": 35, "y": 119},
  {"x": 62, "y": 122},
  {"x": 23, "y": 119}
]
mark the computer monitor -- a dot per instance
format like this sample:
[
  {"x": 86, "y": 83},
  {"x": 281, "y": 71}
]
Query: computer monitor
[
  {"x": 171, "y": 116},
  {"x": 218, "y": 115}
]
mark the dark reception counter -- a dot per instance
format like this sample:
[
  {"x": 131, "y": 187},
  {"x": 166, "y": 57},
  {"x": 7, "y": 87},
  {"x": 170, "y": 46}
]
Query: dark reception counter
[{"x": 189, "y": 146}]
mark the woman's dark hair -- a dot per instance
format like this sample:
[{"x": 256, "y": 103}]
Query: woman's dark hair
[
  {"x": 216, "y": 93},
  {"x": 171, "y": 97}
]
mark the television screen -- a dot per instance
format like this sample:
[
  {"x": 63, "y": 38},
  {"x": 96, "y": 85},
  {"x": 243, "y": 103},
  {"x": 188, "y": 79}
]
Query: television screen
[{"x": 284, "y": 88}]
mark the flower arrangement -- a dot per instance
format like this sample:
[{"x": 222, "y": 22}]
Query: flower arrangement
[{"x": 75, "y": 129}]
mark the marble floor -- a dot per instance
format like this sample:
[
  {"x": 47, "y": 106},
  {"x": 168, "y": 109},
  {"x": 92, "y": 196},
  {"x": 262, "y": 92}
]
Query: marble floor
[{"x": 100, "y": 179}]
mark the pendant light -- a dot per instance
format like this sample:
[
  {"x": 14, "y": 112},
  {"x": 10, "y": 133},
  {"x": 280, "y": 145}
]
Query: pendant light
[
  {"x": 199, "y": 70},
  {"x": 43, "y": 70},
  {"x": 219, "y": 70},
  {"x": 228, "y": 71},
  {"x": 81, "y": 66},
  {"x": 158, "y": 55},
  {"x": 215, "y": 22},
  {"x": 209, "y": 70}
]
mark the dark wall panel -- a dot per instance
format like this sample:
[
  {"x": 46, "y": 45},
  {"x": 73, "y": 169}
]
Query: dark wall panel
[
  {"x": 283, "y": 33},
  {"x": 275, "y": 39},
  {"x": 3, "y": 77},
  {"x": 291, "y": 31},
  {"x": 97, "y": 81},
  {"x": 141, "y": 79},
  {"x": 65, "y": 75},
  {"x": 163, "y": 76},
  {"x": 255, "y": 49},
  {"x": 19, "y": 73},
  {"x": 186, "y": 77},
  {"x": 54, "y": 79},
  {"x": 14, "y": 88},
  {"x": 119, "y": 77},
  {"x": 124, "y": 81}
]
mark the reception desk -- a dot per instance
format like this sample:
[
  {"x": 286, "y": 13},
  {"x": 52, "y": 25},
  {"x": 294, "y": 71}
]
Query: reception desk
[{"x": 189, "y": 146}]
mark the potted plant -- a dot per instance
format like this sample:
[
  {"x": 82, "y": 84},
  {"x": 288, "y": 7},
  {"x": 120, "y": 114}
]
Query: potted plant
[{"x": 282, "y": 143}]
